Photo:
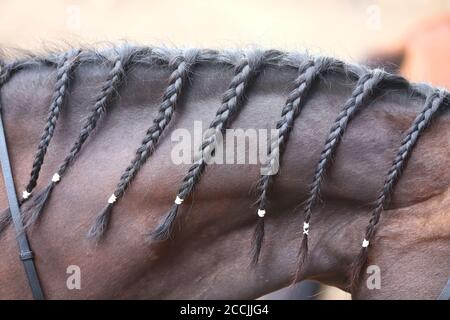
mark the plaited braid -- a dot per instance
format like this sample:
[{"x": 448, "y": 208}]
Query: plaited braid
[
  {"x": 107, "y": 92},
  {"x": 65, "y": 66},
  {"x": 232, "y": 101},
  {"x": 181, "y": 66},
  {"x": 363, "y": 90},
  {"x": 308, "y": 73},
  {"x": 6, "y": 72},
  {"x": 433, "y": 104}
]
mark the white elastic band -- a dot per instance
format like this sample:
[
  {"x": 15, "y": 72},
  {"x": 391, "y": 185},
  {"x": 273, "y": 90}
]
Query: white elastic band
[
  {"x": 112, "y": 199},
  {"x": 261, "y": 213},
  {"x": 56, "y": 177},
  {"x": 26, "y": 194},
  {"x": 365, "y": 243},
  {"x": 178, "y": 200},
  {"x": 306, "y": 228}
]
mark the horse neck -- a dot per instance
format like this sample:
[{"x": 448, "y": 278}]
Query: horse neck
[
  {"x": 209, "y": 255},
  {"x": 214, "y": 244}
]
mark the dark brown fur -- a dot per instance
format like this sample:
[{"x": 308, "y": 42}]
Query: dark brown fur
[{"x": 209, "y": 256}]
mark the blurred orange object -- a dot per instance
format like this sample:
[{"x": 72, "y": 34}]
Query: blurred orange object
[{"x": 422, "y": 55}]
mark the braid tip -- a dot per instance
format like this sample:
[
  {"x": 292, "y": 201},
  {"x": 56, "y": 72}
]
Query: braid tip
[
  {"x": 357, "y": 268},
  {"x": 302, "y": 256},
  {"x": 100, "y": 224},
  {"x": 33, "y": 212},
  {"x": 163, "y": 230},
  {"x": 257, "y": 241}
]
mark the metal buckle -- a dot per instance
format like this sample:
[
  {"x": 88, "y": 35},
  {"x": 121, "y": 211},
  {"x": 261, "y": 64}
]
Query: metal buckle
[{"x": 26, "y": 255}]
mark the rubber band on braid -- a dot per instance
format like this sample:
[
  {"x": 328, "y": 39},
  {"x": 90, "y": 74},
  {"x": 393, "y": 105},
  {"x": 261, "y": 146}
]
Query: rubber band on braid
[
  {"x": 182, "y": 66},
  {"x": 233, "y": 99},
  {"x": 308, "y": 73},
  {"x": 434, "y": 102},
  {"x": 120, "y": 64},
  {"x": 362, "y": 92},
  {"x": 63, "y": 74}
]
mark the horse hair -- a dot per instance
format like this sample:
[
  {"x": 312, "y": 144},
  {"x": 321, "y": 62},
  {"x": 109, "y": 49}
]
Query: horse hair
[
  {"x": 433, "y": 104},
  {"x": 309, "y": 70},
  {"x": 182, "y": 65},
  {"x": 120, "y": 63},
  {"x": 66, "y": 64},
  {"x": 246, "y": 70},
  {"x": 247, "y": 66},
  {"x": 363, "y": 90},
  {"x": 7, "y": 70}
]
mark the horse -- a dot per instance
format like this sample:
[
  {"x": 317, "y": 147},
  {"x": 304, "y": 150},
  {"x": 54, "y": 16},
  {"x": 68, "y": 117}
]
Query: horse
[{"x": 362, "y": 181}]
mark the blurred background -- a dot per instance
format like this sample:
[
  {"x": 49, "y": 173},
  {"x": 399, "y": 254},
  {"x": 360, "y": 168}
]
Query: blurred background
[{"x": 411, "y": 37}]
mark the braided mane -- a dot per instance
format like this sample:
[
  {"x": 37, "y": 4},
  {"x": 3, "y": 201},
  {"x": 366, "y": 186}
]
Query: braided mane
[{"x": 247, "y": 64}]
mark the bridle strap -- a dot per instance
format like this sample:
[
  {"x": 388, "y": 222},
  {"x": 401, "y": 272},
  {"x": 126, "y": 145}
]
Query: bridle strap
[
  {"x": 26, "y": 255},
  {"x": 445, "y": 294}
]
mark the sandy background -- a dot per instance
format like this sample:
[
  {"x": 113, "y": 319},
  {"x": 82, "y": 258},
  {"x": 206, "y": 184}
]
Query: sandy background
[{"x": 345, "y": 28}]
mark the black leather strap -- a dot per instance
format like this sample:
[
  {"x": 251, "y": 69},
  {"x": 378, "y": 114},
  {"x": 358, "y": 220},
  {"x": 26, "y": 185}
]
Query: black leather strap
[
  {"x": 445, "y": 294},
  {"x": 26, "y": 255}
]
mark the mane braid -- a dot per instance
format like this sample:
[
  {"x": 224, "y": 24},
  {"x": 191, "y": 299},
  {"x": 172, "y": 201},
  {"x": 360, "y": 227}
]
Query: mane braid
[
  {"x": 107, "y": 92},
  {"x": 182, "y": 66},
  {"x": 247, "y": 67},
  {"x": 7, "y": 70},
  {"x": 433, "y": 103},
  {"x": 233, "y": 99},
  {"x": 65, "y": 66},
  {"x": 308, "y": 73},
  {"x": 363, "y": 90}
]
